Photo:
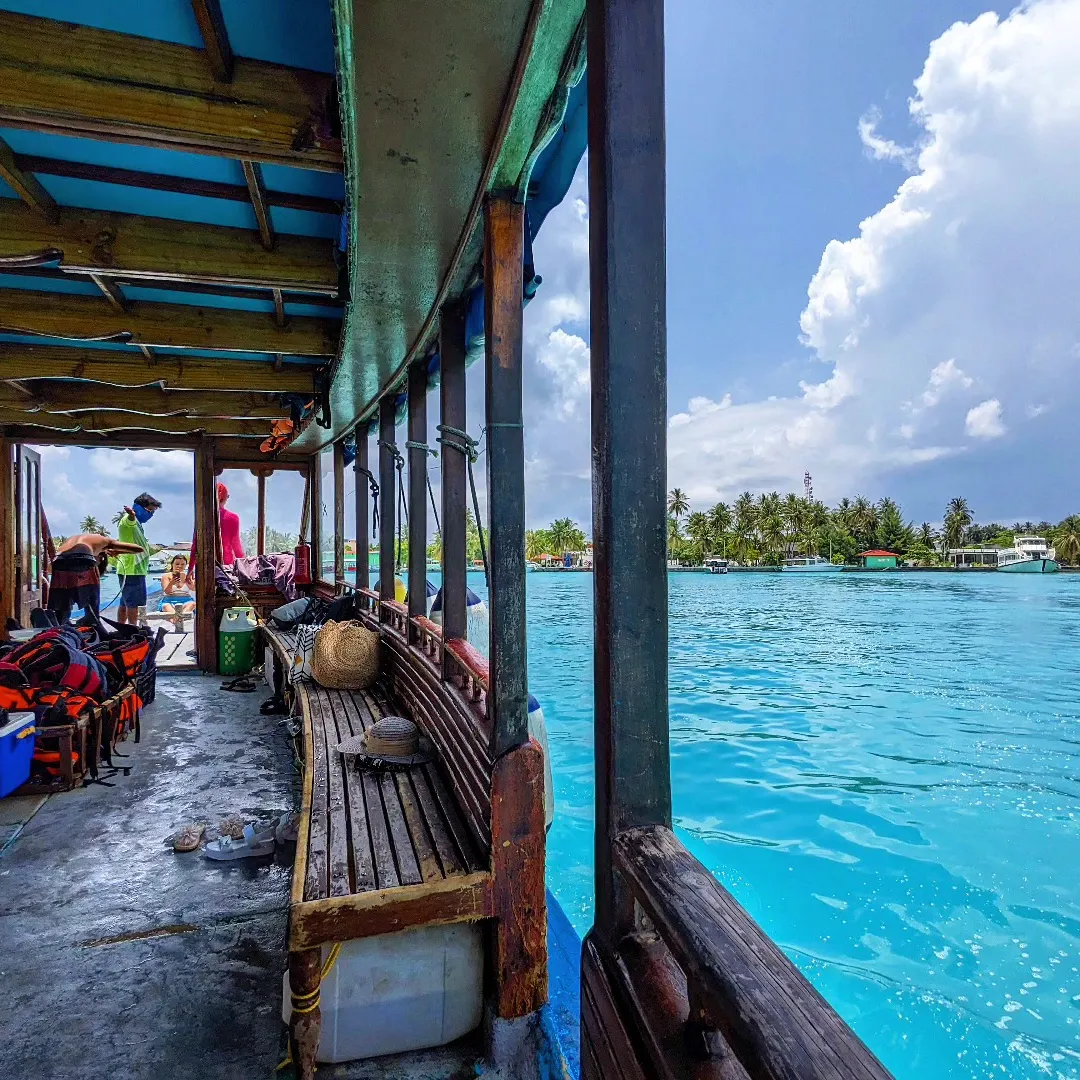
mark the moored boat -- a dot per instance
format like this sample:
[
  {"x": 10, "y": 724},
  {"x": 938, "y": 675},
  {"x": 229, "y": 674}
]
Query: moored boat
[
  {"x": 1029, "y": 555},
  {"x": 810, "y": 564}
]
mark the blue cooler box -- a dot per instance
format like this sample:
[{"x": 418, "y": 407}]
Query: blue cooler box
[{"x": 16, "y": 751}]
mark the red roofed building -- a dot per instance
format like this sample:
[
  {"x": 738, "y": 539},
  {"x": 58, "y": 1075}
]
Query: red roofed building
[{"x": 876, "y": 559}]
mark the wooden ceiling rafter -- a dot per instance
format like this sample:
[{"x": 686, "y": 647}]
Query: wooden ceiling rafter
[
  {"x": 175, "y": 326},
  {"x": 72, "y": 398},
  {"x": 178, "y": 185},
  {"x": 103, "y": 421},
  {"x": 215, "y": 37},
  {"x": 119, "y": 369},
  {"x": 64, "y": 78},
  {"x": 135, "y": 247},
  {"x": 26, "y": 185}
]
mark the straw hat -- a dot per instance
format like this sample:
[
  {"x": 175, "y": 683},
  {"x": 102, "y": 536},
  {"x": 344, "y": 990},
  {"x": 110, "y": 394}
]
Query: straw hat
[
  {"x": 390, "y": 742},
  {"x": 345, "y": 656}
]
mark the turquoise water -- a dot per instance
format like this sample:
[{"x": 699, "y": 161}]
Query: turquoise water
[{"x": 885, "y": 770}]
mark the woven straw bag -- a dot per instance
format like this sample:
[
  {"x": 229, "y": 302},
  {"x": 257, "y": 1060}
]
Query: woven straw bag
[{"x": 346, "y": 656}]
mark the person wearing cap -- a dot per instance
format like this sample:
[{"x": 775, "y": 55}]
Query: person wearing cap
[
  {"x": 132, "y": 567},
  {"x": 232, "y": 548}
]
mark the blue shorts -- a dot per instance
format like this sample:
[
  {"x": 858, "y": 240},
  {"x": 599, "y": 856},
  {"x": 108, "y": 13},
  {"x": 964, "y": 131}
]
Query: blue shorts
[{"x": 133, "y": 594}]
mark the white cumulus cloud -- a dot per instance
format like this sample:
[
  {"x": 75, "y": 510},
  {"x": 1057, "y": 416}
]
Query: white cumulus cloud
[{"x": 984, "y": 420}]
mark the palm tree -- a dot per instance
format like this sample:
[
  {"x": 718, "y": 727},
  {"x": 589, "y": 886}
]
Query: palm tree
[
  {"x": 90, "y": 524},
  {"x": 678, "y": 504},
  {"x": 1067, "y": 539},
  {"x": 957, "y": 521},
  {"x": 864, "y": 520},
  {"x": 926, "y": 536},
  {"x": 743, "y": 543},
  {"x": 700, "y": 532},
  {"x": 720, "y": 521},
  {"x": 793, "y": 514},
  {"x": 772, "y": 533},
  {"x": 565, "y": 536},
  {"x": 745, "y": 513}
]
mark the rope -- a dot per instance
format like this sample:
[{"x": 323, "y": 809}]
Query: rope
[
  {"x": 374, "y": 485},
  {"x": 412, "y": 444},
  {"x": 302, "y": 1004},
  {"x": 465, "y": 444}
]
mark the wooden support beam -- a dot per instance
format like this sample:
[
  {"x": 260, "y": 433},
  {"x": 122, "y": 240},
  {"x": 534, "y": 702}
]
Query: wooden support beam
[
  {"x": 508, "y": 691},
  {"x": 7, "y": 535},
  {"x": 206, "y": 513},
  {"x": 363, "y": 525},
  {"x": 54, "y": 396},
  {"x": 136, "y": 248},
  {"x": 260, "y": 524},
  {"x": 257, "y": 189},
  {"x": 339, "y": 512},
  {"x": 67, "y": 79},
  {"x": 417, "y": 489},
  {"x": 215, "y": 37},
  {"x": 628, "y": 270},
  {"x": 387, "y": 497},
  {"x": 454, "y": 474},
  {"x": 181, "y": 185},
  {"x": 312, "y": 513},
  {"x": 104, "y": 420},
  {"x": 280, "y": 318},
  {"x": 128, "y": 369},
  {"x": 177, "y": 326},
  {"x": 26, "y": 185}
]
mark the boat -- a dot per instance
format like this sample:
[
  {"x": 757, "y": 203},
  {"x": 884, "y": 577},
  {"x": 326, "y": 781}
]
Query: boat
[
  {"x": 445, "y": 130},
  {"x": 810, "y": 564},
  {"x": 716, "y": 566},
  {"x": 1028, "y": 555}
]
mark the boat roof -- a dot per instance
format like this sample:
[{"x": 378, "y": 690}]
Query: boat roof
[{"x": 173, "y": 199}]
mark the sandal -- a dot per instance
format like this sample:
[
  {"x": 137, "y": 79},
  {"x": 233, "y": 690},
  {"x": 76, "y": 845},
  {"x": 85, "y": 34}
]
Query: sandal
[
  {"x": 287, "y": 828},
  {"x": 252, "y": 844},
  {"x": 242, "y": 684},
  {"x": 188, "y": 838},
  {"x": 272, "y": 706}
]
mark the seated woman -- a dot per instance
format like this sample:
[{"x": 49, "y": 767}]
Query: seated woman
[{"x": 176, "y": 599}]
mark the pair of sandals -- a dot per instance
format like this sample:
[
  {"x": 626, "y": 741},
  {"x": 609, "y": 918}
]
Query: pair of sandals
[{"x": 251, "y": 842}]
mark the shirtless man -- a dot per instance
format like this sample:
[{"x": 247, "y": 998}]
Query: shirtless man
[{"x": 76, "y": 572}]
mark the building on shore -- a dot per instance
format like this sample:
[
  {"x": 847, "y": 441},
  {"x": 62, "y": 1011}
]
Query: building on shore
[
  {"x": 974, "y": 557},
  {"x": 876, "y": 559}
]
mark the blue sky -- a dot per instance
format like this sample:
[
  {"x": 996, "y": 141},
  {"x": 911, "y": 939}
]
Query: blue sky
[{"x": 872, "y": 266}]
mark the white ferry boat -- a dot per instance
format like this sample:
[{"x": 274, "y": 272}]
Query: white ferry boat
[
  {"x": 1029, "y": 555},
  {"x": 810, "y": 564}
]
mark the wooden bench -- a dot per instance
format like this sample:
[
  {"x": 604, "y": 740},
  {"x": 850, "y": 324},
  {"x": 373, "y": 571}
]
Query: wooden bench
[{"x": 457, "y": 840}]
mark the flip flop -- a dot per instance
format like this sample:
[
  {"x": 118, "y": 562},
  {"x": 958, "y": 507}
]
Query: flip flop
[
  {"x": 273, "y": 706},
  {"x": 188, "y": 838},
  {"x": 253, "y": 844},
  {"x": 240, "y": 685},
  {"x": 287, "y": 828}
]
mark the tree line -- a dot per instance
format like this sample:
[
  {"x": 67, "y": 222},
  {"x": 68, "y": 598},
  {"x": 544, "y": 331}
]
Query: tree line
[{"x": 771, "y": 527}]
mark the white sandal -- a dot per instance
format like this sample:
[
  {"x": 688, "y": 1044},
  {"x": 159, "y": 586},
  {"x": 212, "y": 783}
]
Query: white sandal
[{"x": 252, "y": 844}]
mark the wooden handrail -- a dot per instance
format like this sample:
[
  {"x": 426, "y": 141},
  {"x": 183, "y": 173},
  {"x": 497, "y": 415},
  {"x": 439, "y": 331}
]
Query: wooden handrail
[
  {"x": 470, "y": 659},
  {"x": 740, "y": 982}
]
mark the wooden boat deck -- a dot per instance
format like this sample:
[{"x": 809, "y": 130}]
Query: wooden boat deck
[{"x": 174, "y": 653}]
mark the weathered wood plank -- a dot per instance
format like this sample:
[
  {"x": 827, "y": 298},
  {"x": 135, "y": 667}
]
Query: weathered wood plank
[
  {"x": 323, "y": 712},
  {"x": 388, "y": 498},
  {"x": 65, "y": 78},
  {"x": 418, "y": 486},
  {"x": 451, "y": 859},
  {"x": 609, "y": 1050},
  {"x": 305, "y": 1027},
  {"x": 359, "y": 830},
  {"x": 162, "y": 250},
  {"x": 57, "y": 315},
  {"x": 386, "y": 911},
  {"x": 205, "y": 587},
  {"x": 316, "y": 884},
  {"x": 26, "y": 185},
  {"x": 257, "y": 189},
  {"x": 518, "y": 844},
  {"x": 453, "y": 467},
  {"x": 422, "y": 844},
  {"x": 130, "y": 369},
  {"x": 780, "y": 1027}
]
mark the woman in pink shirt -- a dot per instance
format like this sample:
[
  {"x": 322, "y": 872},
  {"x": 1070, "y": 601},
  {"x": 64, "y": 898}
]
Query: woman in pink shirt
[{"x": 229, "y": 523}]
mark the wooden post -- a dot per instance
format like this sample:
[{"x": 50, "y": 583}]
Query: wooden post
[
  {"x": 508, "y": 692},
  {"x": 315, "y": 516},
  {"x": 206, "y": 516},
  {"x": 361, "y": 467},
  {"x": 7, "y": 536},
  {"x": 387, "y": 497},
  {"x": 260, "y": 528},
  {"x": 454, "y": 474},
  {"x": 339, "y": 512},
  {"x": 629, "y": 431},
  {"x": 418, "y": 490},
  {"x": 305, "y": 1024}
]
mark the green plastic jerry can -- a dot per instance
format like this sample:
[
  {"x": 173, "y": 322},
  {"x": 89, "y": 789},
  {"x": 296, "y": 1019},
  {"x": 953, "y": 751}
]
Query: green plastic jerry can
[{"x": 236, "y": 641}]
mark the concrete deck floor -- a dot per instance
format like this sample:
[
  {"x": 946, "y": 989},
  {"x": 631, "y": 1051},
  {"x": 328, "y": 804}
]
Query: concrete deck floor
[{"x": 121, "y": 959}]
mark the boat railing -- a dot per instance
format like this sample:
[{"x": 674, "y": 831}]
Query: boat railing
[
  {"x": 396, "y": 616},
  {"x": 468, "y": 669},
  {"x": 428, "y": 638},
  {"x": 368, "y": 600},
  {"x": 700, "y": 960}
]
